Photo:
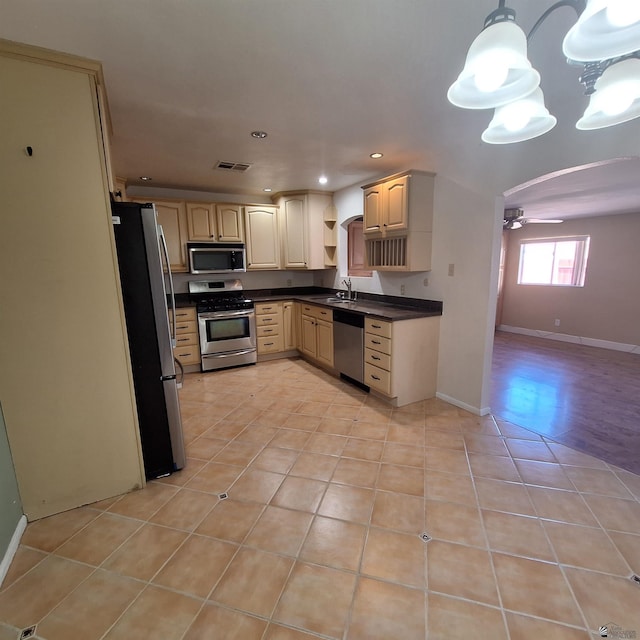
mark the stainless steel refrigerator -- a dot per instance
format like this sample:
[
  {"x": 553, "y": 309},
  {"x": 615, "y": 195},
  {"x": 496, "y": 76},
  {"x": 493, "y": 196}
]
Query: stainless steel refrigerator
[{"x": 144, "y": 269}]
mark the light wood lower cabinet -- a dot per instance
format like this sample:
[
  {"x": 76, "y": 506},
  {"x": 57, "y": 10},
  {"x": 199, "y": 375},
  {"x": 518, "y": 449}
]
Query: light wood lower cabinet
[
  {"x": 401, "y": 358},
  {"x": 317, "y": 333},
  {"x": 187, "y": 349}
]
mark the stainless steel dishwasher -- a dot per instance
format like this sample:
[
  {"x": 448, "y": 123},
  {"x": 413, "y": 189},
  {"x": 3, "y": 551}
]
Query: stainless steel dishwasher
[{"x": 348, "y": 344}]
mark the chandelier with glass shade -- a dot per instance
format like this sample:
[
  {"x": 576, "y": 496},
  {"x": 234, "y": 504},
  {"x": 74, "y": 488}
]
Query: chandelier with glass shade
[{"x": 498, "y": 75}]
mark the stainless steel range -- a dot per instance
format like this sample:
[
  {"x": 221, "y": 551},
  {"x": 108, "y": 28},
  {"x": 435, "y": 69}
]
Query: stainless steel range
[{"x": 226, "y": 324}]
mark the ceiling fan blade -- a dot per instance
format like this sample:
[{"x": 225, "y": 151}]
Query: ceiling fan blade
[{"x": 539, "y": 221}]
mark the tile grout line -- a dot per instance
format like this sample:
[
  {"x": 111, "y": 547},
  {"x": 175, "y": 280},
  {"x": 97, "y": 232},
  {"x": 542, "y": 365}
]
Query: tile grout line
[{"x": 486, "y": 540}]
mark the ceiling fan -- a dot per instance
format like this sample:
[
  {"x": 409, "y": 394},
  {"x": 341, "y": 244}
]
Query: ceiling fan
[{"x": 514, "y": 219}]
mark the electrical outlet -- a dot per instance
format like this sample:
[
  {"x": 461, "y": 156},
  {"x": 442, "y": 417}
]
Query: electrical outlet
[
  {"x": 451, "y": 269},
  {"x": 425, "y": 282},
  {"x": 402, "y": 289},
  {"x": 289, "y": 282},
  {"x": 556, "y": 322}
]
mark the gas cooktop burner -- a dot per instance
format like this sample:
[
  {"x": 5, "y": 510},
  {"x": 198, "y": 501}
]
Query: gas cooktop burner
[
  {"x": 218, "y": 295},
  {"x": 223, "y": 304}
]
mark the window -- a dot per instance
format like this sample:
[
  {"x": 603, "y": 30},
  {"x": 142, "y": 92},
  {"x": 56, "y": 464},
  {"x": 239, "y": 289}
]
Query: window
[
  {"x": 356, "y": 249},
  {"x": 560, "y": 262}
]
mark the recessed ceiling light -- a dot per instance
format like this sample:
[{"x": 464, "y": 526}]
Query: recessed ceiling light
[
  {"x": 145, "y": 178},
  {"x": 268, "y": 189},
  {"x": 259, "y": 134},
  {"x": 376, "y": 155},
  {"x": 323, "y": 179}
]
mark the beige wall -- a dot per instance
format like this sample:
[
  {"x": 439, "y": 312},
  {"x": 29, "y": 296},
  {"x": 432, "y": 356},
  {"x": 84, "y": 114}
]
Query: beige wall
[
  {"x": 607, "y": 307},
  {"x": 65, "y": 380}
]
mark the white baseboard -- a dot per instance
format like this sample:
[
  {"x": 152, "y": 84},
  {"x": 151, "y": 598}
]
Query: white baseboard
[
  {"x": 565, "y": 337},
  {"x": 463, "y": 405},
  {"x": 12, "y": 548}
]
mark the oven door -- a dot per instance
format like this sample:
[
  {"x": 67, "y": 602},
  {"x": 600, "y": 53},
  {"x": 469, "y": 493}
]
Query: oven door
[{"x": 225, "y": 331}]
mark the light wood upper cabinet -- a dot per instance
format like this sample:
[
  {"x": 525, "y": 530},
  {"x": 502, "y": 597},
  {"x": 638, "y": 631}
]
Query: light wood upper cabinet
[
  {"x": 172, "y": 217},
  {"x": 263, "y": 239},
  {"x": 294, "y": 231},
  {"x": 373, "y": 209},
  {"x": 201, "y": 221},
  {"x": 386, "y": 206},
  {"x": 398, "y": 220},
  {"x": 230, "y": 223},
  {"x": 397, "y": 204},
  {"x": 302, "y": 228}
]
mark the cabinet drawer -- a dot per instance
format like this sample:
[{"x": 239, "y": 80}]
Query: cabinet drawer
[
  {"x": 266, "y": 331},
  {"x": 266, "y": 307},
  {"x": 266, "y": 320},
  {"x": 378, "y": 343},
  {"x": 186, "y": 327},
  {"x": 269, "y": 344},
  {"x": 186, "y": 339},
  {"x": 187, "y": 355},
  {"x": 377, "y": 379},
  {"x": 379, "y": 327},
  {"x": 184, "y": 313},
  {"x": 378, "y": 359},
  {"x": 317, "y": 312}
]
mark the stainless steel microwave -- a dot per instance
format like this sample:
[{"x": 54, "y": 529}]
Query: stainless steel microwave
[{"x": 216, "y": 257}]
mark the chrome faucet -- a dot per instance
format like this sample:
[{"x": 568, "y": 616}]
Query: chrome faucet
[{"x": 347, "y": 283}]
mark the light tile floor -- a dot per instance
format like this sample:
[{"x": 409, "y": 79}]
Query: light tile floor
[{"x": 329, "y": 493}]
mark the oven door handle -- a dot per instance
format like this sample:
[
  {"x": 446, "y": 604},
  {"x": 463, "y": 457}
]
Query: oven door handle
[
  {"x": 228, "y": 354},
  {"x": 226, "y": 314}
]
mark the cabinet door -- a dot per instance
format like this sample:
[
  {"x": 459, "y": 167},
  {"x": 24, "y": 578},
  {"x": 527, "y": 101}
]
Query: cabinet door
[
  {"x": 294, "y": 232},
  {"x": 324, "y": 337},
  {"x": 396, "y": 204},
  {"x": 373, "y": 209},
  {"x": 229, "y": 219},
  {"x": 308, "y": 337},
  {"x": 172, "y": 216},
  {"x": 288, "y": 326},
  {"x": 297, "y": 325},
  {"x": 201, "y": 221},
  {"x": 263, "y": 242}
]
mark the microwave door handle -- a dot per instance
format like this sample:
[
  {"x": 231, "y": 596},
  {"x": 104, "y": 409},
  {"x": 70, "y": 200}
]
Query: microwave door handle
[{"x": 172, "y": 293}]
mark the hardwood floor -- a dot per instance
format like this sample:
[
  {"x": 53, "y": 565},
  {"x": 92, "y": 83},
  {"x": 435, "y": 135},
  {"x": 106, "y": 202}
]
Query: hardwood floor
[{"x": 583, "y": 397}]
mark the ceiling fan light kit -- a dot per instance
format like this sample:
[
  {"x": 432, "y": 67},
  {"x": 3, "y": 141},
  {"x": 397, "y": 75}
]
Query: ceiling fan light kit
[{"x": 497, "y": 72}]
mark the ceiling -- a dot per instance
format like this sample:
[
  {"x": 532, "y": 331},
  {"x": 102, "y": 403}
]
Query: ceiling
[{"x": 330, "y": 81}]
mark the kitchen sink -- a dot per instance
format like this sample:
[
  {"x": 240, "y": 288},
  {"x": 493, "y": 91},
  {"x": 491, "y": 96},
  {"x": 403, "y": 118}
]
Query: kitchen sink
[{"x": 344, "y": 300}]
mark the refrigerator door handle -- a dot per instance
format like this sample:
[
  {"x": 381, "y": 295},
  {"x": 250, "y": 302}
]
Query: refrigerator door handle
[{"x": 165, "y": 251}]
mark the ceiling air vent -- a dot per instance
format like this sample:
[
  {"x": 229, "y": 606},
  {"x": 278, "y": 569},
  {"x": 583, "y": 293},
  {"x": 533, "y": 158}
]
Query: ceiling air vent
[{"x": 237, "y": 167}]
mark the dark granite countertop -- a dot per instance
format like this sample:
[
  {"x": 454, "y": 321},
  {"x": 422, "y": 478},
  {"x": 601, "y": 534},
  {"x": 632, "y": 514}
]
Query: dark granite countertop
[{"x": 391, "y": 308}]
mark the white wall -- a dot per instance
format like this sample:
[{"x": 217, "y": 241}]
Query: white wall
[{"x": 466, "y": 232}]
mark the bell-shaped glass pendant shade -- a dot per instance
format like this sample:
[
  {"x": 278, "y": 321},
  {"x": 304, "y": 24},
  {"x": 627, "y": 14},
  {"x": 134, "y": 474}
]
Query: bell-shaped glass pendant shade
[
  {"x": 520, "y": 120},
  {"x": 616, "y": 98},
  {"x": 606, "y": 29},
  {"x": 496, "y": 70}
]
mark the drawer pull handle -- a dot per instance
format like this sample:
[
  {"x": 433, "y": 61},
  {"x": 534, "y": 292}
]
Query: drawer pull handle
[
  {"x": 268, "y": 330},
  {"x": 184, "y": 355},
  {"x": 324, "y": 313},
  {"x": 375, "y": 377},
  {"x": 183, "y": 339},
  {"x": 376, "y": 326},
  {"x": 375, "y": 358},
  {"x": 268, "y": 344},
  {"x": 375, "y": 342},
  {"x": 267, "y": 308}
]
